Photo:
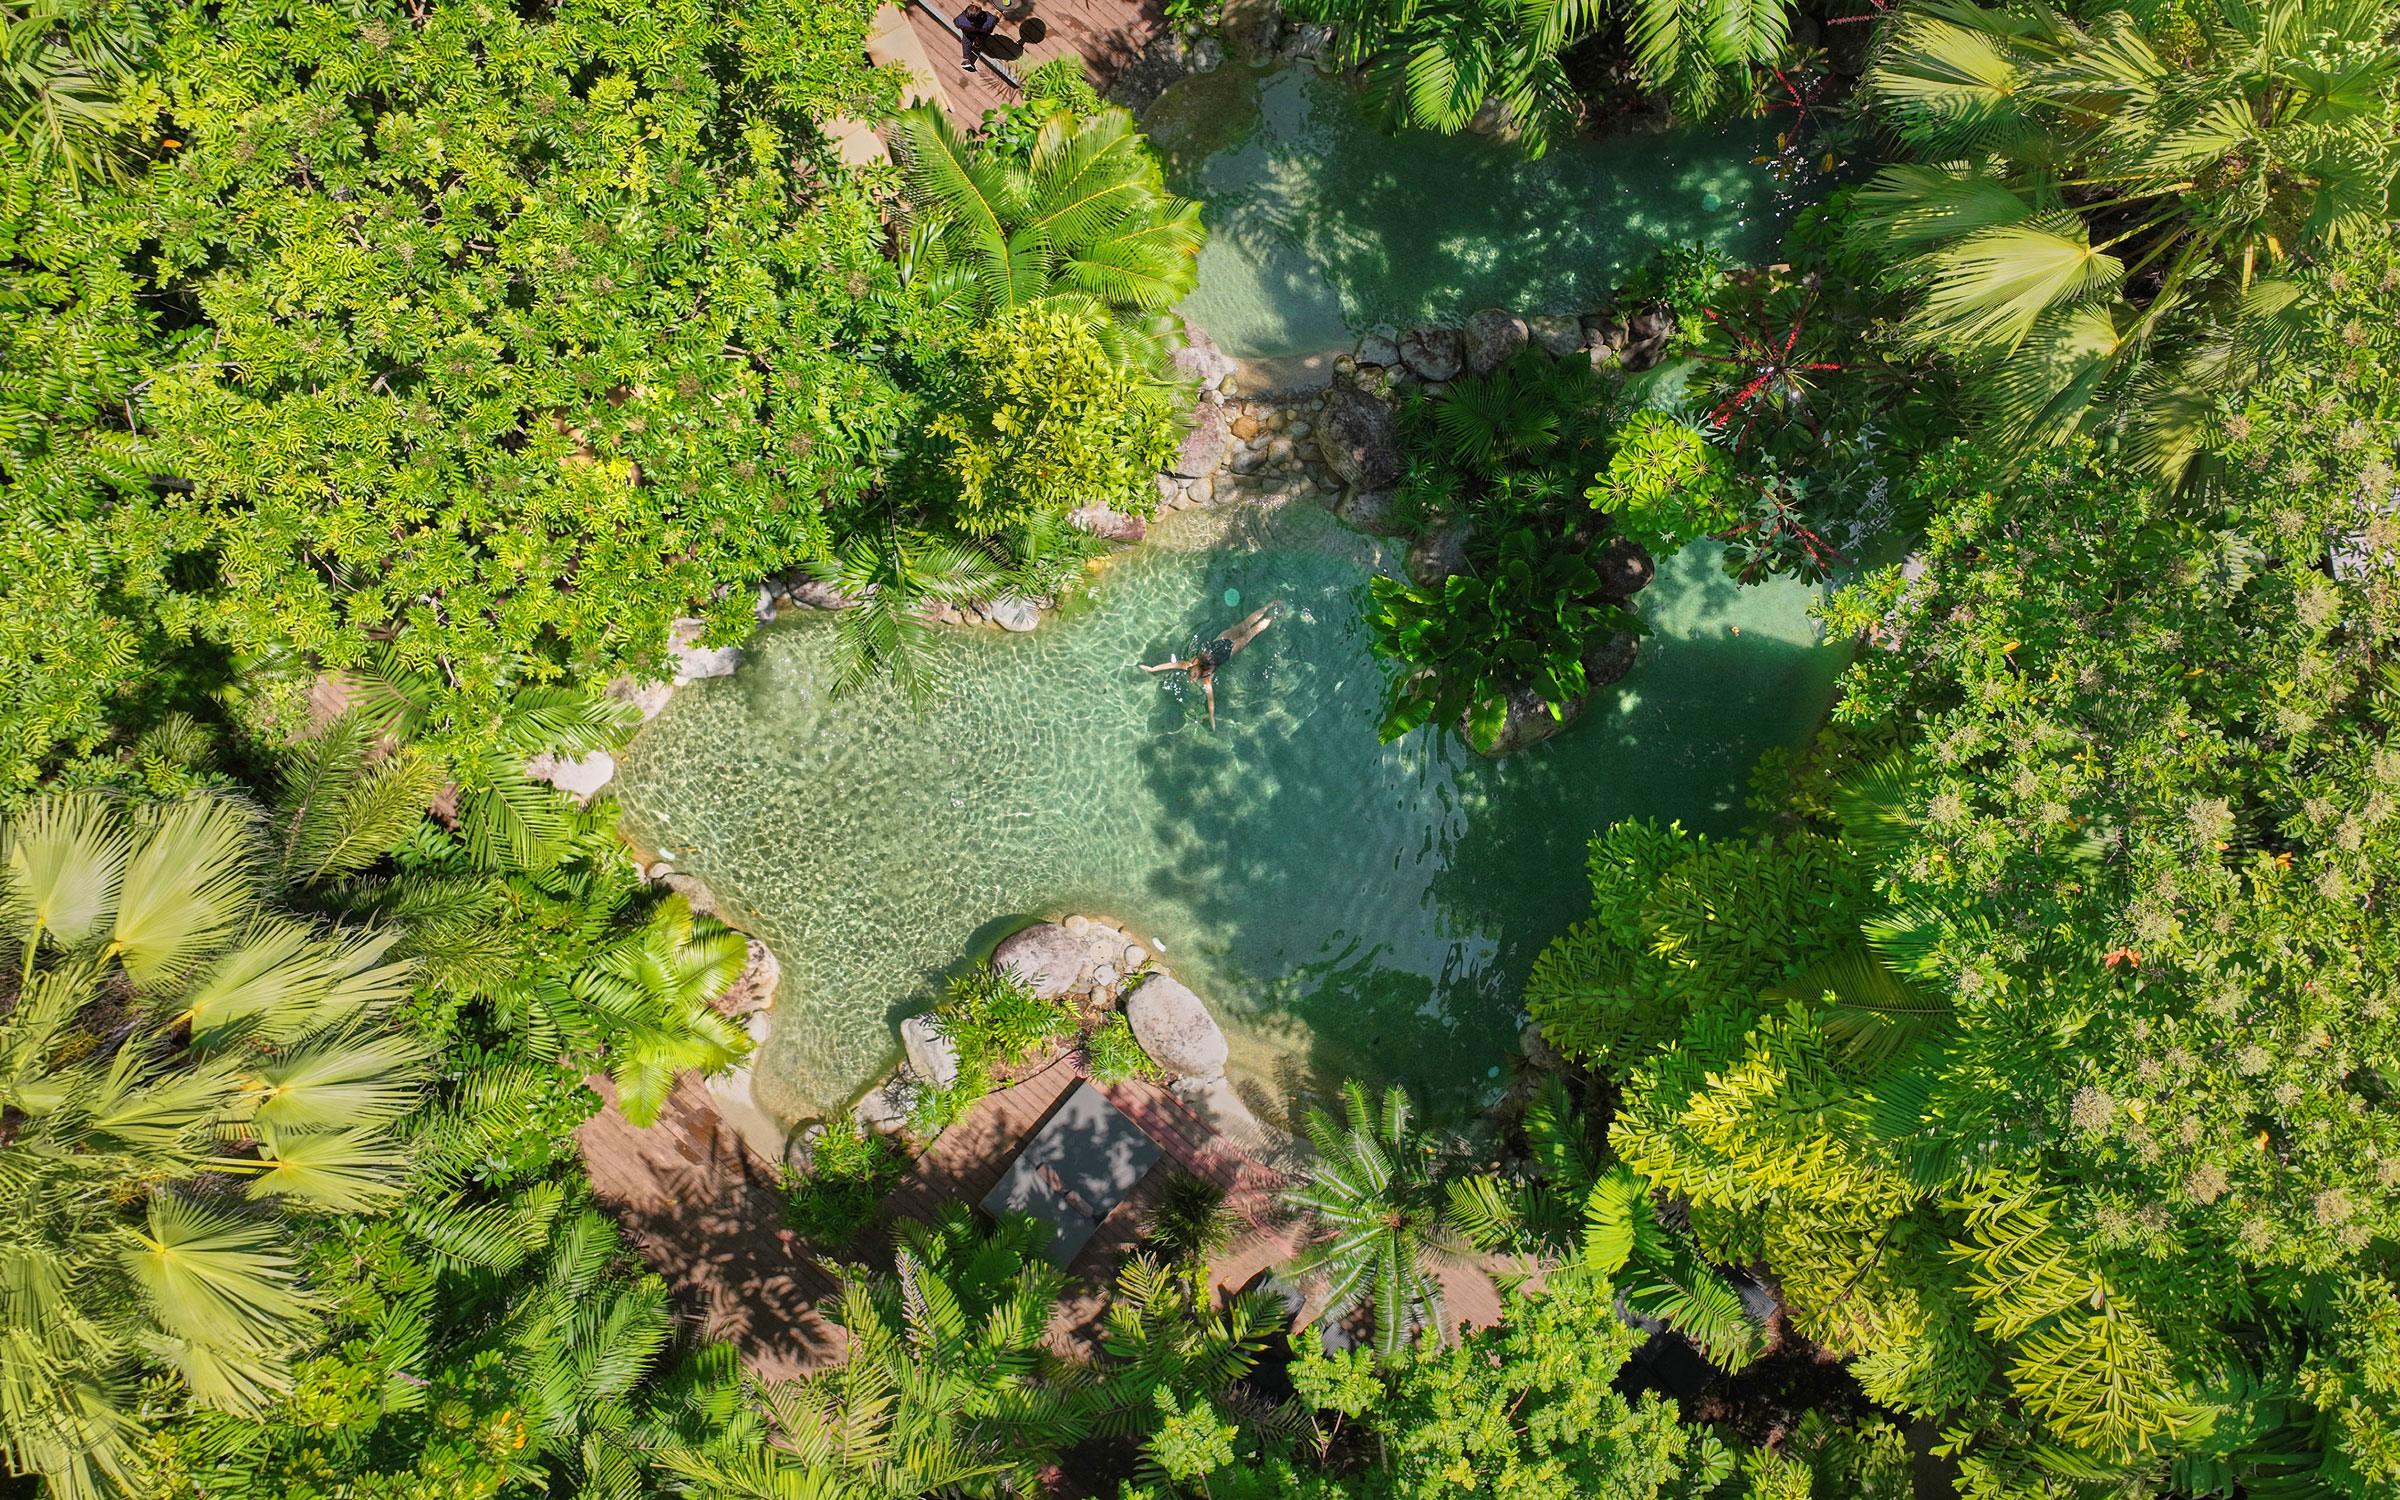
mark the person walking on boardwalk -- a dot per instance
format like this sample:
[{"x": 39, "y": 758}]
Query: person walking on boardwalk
[
  {"x": 975, "y": 27},
  {"x": 1203, "y": 666}
]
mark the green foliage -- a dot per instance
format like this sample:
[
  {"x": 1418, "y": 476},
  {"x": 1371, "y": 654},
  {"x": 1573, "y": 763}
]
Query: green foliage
[
  {"x": 850, "y": 1172},
  {"x": 1055, "y": 422},
  {"x": 1082, "y": 222},
  {"x": 70, "y": 85},
  {"x": 86, "y": 612},
  {"x": 1116, "y": 1055},
  {"x": 1520, "y": 1410},
  {"x": 1497, "y": 449},
  {"x": 1665, "y": 486},
  {"x": 2114, "y": 210},
  {"x": 1521, "y": 620},
  {"x": 191, "y": 1073},
  {"x": 1376, "y": 1197},
  {"x": 995, "y": 1020},
  {"x": 536, "y": 352},
  {"x": 1705, "y": 58}
]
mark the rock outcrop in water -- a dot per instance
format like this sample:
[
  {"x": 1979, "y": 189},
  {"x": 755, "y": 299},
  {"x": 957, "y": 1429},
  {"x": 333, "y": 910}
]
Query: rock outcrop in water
[
  {"x": 1045, "y": 955},
  {"x": 1174, "y": 1027},
  {"x": 1354, "y": 434},
  {"x": 1493, "y": 338},
  {"x": 1434, "y": 354}
]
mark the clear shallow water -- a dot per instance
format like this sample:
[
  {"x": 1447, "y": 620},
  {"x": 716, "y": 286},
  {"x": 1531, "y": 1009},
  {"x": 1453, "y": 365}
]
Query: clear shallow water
[
  {"x": 1348, "y": 909},
  {"x": 1321, "y": 225}
]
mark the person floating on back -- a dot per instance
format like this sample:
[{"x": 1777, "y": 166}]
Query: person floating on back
[
  {"x": 975, "y": 27},
  {"x": 1203, "y": 667}
]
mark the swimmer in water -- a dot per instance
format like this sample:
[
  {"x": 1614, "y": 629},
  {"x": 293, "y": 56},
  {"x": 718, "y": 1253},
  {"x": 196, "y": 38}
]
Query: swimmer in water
[{"x": 1216, "y": 653}]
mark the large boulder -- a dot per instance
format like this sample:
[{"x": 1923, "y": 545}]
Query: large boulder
[
  {"x": 1378, "y": 348},
  {"x": 694, "y": 661},
  {"x": 930, "y": 1050},
  {"x": 1013, "y": 613},
  {"x": 815, "y": 593},
  {"x": 1204, "y": 446},
  {"x": 1494, "y": 337},
  {"x": 753, "y": 989},
  {"x": 1559, "y": 333},
  {"x": 1624, "y": 567},
  {"x": 1114, "y": 525},
  {"x": 1355, "y": 436},
  {"x": 648, "y": 699},
  {"x": 577, "y": 778},
  {"x": 1646, "y": 335},
  {"x": 1175, "y": 1028},
  {"x": 1369, "y": 511},
  {"x": 1433, "y": 353},
  {"x": 1045, "y": 955},
  {"x": 1439, "y": 553}
]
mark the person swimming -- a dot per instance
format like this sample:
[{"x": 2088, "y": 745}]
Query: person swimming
[{"x": 1203, "y": 666}]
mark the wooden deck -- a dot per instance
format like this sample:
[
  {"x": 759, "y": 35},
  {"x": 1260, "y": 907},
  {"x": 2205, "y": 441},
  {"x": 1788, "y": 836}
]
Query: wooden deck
[
  {"x": 971, "y": 1157},
  {"x": 707, "y": 1213},
  {"x": 1113, "y": 37}
]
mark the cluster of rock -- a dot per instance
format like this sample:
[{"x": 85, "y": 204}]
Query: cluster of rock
[{"x": 1096, "y": 965}]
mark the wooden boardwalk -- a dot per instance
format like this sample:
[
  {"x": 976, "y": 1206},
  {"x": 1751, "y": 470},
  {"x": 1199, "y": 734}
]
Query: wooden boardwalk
[
  {"x": 971, "y": 1157},
  {"x": 707, "y": 1213},
  {"x": 1113, "y": 37}
]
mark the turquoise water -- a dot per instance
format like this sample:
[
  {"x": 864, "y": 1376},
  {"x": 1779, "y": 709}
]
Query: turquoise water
[
  {"x": 1347, "y": 908},
  {"x": 1321, "y": 225}
]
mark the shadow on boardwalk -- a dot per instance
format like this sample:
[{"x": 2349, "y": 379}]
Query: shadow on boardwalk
[{"x": 707, "y": 1213}]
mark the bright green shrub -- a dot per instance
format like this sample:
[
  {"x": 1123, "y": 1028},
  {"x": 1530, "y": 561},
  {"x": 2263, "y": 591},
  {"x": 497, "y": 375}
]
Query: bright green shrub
[
  {"x": 851, "y": 1173},
  {"x": 1116, "y": 1056},
  {"x": 1057, "y": 422},
  {"x": 1665, "y": 484},
  {"x": 1521, "y": 619},
  {"x": 524, "y": 335}
]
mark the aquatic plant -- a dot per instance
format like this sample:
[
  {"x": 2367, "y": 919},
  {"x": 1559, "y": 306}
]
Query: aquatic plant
[{"x": 1520, "y": 618}]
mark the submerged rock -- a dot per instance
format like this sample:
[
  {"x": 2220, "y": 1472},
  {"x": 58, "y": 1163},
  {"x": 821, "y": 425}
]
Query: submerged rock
[
  {"x": 1436, "y": 555},
  {"x": 884, "y": 1109},
  {"x": 1045, "y": 955},
  {"x": 1175, "y": 1028},
  {"x": 1624, "y": 567},
  {"x": 1200, "y": 359},
  {"x": 1494, "y": 337},
  {"x": 1433, "y": 354},
  {"x": 1355, "y": 437},
  {"x": 1369, "y": 511}
]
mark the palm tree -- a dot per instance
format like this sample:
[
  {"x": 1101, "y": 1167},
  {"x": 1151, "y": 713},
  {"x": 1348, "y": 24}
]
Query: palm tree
[
  {"x": 508, "y": 818},
  {"x": 1436, "y": 64},
  {"x": 889, "y": 575},
  {"x": 64, "y": 73},
  {"x": 181, "y": 1069},
  {"x": 649, "y": 992},
  {"x": 1376, "y": 1193},
  {"x": 1584, "y": 1216},
  {"x": 1084, "y": 221},
  {"x": 2103, "y": 223},
  {"x": 948, "y": 1387}
]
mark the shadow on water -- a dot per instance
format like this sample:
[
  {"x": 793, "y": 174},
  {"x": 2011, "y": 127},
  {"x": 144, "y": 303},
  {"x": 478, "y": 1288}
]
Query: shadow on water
[
  {"x": 1350, "y": 909},
  {"x": 1322, "y": 223}
]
